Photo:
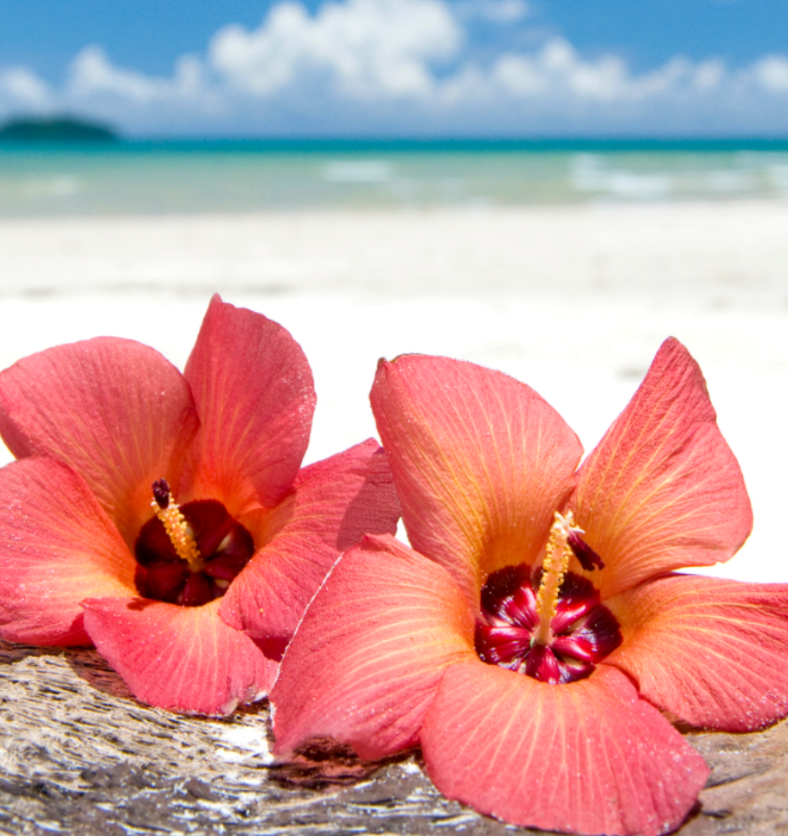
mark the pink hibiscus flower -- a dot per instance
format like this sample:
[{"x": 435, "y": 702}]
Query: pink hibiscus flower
[
  {"x": 164, "y": 517},
  {"x": 530, "y": 640}
]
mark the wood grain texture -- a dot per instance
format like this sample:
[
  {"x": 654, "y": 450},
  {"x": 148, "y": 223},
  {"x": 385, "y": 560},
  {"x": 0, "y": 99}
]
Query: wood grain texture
[{"x": 78, "y": 755}]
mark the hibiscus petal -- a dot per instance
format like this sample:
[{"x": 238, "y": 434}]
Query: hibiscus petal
[
  {"x": 662, "y": 490},
  {"x": 57, "y": 547},
  {"x": 114, "y": 410},
  {"x": 183, "y": 659},
  {"x": 333, "y": 504},
  {"x": 589, "y": 757},
  {"x": 365, "y": 661},
  {"x": 255, "y": 397},
  {"x": 711, "y": 651},
  {"x": 480, "y": 461}
]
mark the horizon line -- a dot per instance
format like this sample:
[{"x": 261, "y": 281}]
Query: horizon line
[{"x": 435, "y": 141}]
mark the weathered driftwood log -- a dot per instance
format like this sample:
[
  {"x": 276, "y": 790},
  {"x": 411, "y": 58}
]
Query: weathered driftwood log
[{"x": 79, "y": 755}]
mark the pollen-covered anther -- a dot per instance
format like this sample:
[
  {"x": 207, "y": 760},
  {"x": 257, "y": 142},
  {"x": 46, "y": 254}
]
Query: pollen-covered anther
[
  {"x": 556, "y": 561},
  {"x": 169, "y": 513}
]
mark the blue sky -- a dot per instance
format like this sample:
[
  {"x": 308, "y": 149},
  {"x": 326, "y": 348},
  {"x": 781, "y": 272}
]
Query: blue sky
[{"x": 402, "y": 67}]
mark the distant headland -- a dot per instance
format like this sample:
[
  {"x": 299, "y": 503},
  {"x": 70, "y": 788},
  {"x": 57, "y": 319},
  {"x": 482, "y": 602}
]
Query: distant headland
[{"x": 55, "y": 129}]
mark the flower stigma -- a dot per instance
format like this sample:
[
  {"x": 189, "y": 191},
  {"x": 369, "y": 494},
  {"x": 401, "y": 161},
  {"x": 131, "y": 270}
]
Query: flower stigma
[{"x": 176, "y": 526}]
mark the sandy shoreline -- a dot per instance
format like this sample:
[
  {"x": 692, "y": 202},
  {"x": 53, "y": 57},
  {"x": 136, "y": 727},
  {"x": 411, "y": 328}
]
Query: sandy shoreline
[
  {"x": 718, "y": 248},
  {"x": 572, "y": 300}
]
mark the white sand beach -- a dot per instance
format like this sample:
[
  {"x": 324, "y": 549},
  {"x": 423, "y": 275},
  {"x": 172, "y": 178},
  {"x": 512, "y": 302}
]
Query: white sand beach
[{"x": 574, "y": 300}]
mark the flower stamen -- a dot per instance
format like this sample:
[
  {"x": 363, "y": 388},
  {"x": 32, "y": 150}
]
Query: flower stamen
[
  {"x": 554, "y": 566},
  {"x": 175, "y": 525}
]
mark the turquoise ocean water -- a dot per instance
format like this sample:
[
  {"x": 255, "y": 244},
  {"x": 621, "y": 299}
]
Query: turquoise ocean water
[{"x": 128, "y": 178}]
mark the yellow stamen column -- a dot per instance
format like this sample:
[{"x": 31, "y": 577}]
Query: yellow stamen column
[
  {"x": 554, "y": 566},
  {"x": 176, "y": 526}
]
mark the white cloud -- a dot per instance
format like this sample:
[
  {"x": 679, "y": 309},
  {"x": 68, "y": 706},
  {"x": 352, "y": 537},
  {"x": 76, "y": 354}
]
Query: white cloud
[
  {"x": 772, "y": 73},
  {"x": 92, "y": 74},
  {"x": 558, "y": 73},
  {"x": 519, "y": 75},
  {"x": 679, "y": 78},
  {"x": 558, "y": 68},
  {"x": 709, "y": 74},
  {"x": 407, "y": 66},
  {"x": 21, "y": 88},
  {"x": 603, "y": 79},
  {"x": 362, "y": 48}
]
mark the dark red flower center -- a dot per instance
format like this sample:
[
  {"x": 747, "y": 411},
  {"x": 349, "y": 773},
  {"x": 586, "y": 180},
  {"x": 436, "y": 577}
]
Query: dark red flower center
[
  {"x": 582, "y": 631},
  {"x": 219, "y": 547}
]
